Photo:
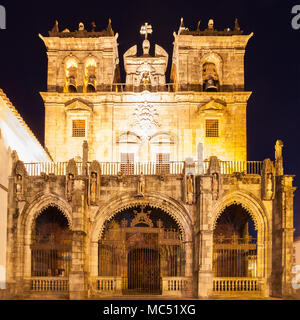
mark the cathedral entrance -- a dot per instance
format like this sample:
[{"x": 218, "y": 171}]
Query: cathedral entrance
[
  {"x": 144, "y": 271},
  {"x": 141, "y": 246}
]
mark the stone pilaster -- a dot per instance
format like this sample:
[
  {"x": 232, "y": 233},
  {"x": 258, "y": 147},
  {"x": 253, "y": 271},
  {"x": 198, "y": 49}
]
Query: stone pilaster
[
  {"x": 77, "y": 283},
  {"x": 11, "y": 231},
  {"x": 282, "y": 250},
  {"x": 78, "y": 276},
  {"x": 204, "y": 234}
]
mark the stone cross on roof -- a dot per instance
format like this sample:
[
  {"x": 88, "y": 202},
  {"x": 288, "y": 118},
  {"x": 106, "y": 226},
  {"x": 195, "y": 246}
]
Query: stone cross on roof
[{"x": 146, "y": 29}]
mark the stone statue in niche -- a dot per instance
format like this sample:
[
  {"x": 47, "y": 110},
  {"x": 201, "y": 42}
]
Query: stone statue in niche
[
  {"x": 269, "y": 186},
  {"x": 146, "y": 79},
  {"x": 70, "y": 186},
  {"x": 141, "y": 185},
  {"x": 19, "y": 187},
  {"x": 93, "y": 186},
  {"x": 189, "y": 189},
  {"x": 20, "y": 173},
  {"x": 268, "y": 180},
  {"x": 215, "y": 186},
  {"x": 94, "y": 183}
]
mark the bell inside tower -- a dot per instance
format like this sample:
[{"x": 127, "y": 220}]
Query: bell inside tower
[
  {"x": 90, "y": 75},
  {"x": 210, "y": 77},
  {"x": 71, "y": 75}
]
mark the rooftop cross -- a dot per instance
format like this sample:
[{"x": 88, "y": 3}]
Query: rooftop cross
[{"x": 146, "y": 29}]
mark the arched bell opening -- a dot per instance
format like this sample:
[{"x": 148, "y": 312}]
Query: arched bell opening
[
  {"x": 90, "y": 75},
  {"x": 71, "y": 74},
  {"x": 51, "y": 244},
  {"x": 141, "y": 246},
  {"x": 235, "y": 244},
  {"x": 210, "y": 77}
]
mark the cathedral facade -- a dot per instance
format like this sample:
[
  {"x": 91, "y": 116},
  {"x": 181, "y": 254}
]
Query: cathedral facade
[{"x": 147, "y": 189}]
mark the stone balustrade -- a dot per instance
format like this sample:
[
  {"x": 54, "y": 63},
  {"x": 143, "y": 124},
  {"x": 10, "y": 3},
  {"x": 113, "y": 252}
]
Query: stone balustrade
[
  {"x": 147, "y": 168},
  {"x": 52, "y": 284},
  {"x": 235, "y": 285}
]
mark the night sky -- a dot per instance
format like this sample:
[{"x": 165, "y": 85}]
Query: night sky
[{"x": 272, "y": 61}]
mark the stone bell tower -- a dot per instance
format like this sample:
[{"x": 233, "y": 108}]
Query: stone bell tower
[
  {"x": 80, "y": 64},
  {"x": 209, "y": 60},
  {"x": 211, "y": 63}
]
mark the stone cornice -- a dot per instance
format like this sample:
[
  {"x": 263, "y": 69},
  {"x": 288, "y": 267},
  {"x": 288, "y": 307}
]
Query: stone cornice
[{"x": 155, "y": 97}]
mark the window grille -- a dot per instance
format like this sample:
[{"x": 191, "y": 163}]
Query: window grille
[
  {"x": 162, "y": 163},
  {"x": 78, "y": 128},
  {"x": 127, "y": 163},
  {"x": 212, "y": 128}
]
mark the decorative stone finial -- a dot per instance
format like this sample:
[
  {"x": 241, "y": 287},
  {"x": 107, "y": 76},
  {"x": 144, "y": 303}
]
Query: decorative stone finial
[
  {"x": 211, "y": 24},
  {"x": 278, "y": 158},
  {"x": 198, "y": 25},
  {"x": 81, "y": 26},
  {"x": 236, "y": 25},
  {"x": 146, "y": 29},
  {"x": 109, "y": 27},
  {"x": 182, "y": 27},
  {"x": 146, "y": 47},
  {"x": 55, "y": 28}
]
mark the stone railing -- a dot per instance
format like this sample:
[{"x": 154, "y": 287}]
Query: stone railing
[
  {"x": 236, "y": 285},
  {"x": 228, "y": 167},
  {"x": 147, "y": 168},
  {"x": 123, "y": 87},
  {"x": 108, "y": 284},
  {"x": 49, "y": 284},
  {"x": 175, "y": 285}
]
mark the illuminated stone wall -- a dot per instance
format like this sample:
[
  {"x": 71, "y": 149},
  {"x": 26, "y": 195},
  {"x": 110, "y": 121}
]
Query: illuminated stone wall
[
  {"x": 181, "y": 115},
  {"x": 14, "y": 136}
]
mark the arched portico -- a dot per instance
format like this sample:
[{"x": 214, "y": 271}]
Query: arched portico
[
  {"x": 259, "y": 215},
  {"x": 167, "y": 206},
  {"x": 27, "y": 218}
]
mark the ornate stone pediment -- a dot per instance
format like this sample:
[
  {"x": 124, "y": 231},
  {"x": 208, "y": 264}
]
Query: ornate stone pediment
[
  {"x": 214, "y": 105},
  {"x": 78, "y": 105}
]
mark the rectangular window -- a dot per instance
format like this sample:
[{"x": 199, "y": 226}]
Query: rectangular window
[
  {"x": 212, "y": 128},
  {"x": 162, "y": 163},
  {"x": 127, "y": 163},
  {"x": 78, "y": 128}
]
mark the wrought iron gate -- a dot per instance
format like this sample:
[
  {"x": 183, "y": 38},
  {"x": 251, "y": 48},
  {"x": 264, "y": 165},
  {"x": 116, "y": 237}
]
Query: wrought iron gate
[
  {"x": 141, "y": 250},
  {"x": 144, "y": 270},
  {"x": 235, "y": 257}
]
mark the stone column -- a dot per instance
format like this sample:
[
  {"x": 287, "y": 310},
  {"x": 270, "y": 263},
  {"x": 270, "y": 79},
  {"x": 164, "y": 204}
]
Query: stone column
[
  {"x": 77, "y": 278},
  {"x": 205, "y": 237},
  {"x": 77, "y": 275},
  {"x": 189, "y": 267},
  {"x": 282, "y": 247}
]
